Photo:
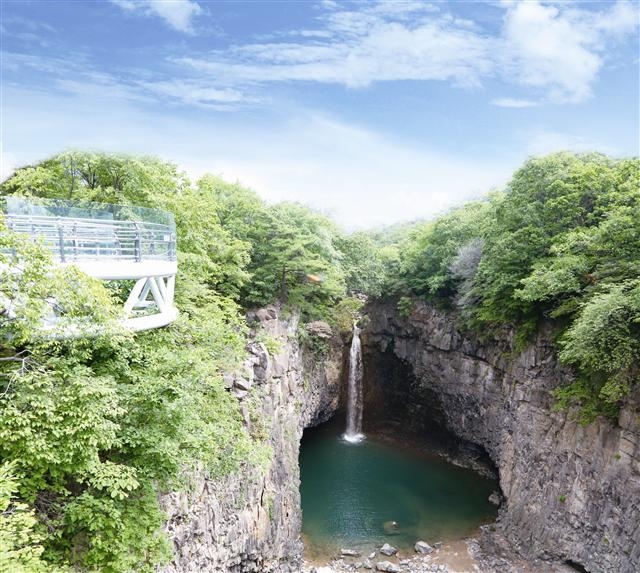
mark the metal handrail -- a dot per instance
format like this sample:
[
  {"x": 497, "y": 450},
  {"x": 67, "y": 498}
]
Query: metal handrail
[{"x": 73, "y": 239}]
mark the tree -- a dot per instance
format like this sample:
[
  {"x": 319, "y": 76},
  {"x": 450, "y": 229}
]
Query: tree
[
  {"x": 562, "y": 242},
  {"x": 363, "y": 264},
  {"x": 295, "y": 260},
  {"x": 427, "y": 259},
  {"x": 94, "y": 427}
]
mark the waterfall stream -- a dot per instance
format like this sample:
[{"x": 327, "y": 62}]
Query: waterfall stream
[{"x": 354, "y": 390}]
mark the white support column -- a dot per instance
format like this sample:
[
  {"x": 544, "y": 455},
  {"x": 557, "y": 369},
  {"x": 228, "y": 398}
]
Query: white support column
[
  {"x": 161, "y": 287},
  {"x": 157, "y": 295},
  {"x": 134, "y": 296},
  {"x": 145, "y": 292}
]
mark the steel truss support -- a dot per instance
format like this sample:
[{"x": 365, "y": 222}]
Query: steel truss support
[{"x": 149, "y": 292}]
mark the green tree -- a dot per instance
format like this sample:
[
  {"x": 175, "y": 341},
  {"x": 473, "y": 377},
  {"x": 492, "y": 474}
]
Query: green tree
[
  {"x": 95, "y": 427},
  {"x": 427, "y": 259},
  {"x": 363, "y": 264},
  {"x": 295, "y": 259},
  {"x": 562, "y": 242}
]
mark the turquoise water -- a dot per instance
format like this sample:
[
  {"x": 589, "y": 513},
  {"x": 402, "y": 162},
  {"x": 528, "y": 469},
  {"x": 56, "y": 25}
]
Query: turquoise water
[{"x": 352, "y": 492}]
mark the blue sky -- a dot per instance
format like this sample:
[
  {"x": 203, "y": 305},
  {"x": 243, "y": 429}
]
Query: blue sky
[{"x": 375, "y": 112}]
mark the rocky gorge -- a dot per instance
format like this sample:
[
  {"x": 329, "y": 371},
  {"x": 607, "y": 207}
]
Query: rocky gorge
[
  {"x": 570, "y": 494},
  {"x": 251, "y": 521}
]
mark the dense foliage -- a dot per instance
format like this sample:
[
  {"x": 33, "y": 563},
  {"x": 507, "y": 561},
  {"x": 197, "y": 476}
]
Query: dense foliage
[
  {"x": 95, "y": 427},
  {"x": 562, "y": 243},
  {"x": 92, "y": 429}
]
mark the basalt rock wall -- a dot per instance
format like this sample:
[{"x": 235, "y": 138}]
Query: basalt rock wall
[
  {"x": 572, "y": 492},
  {"x": 250, "y": 521}
]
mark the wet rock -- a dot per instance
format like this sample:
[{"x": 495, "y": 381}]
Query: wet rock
[
  {"x": 423, "y": 547},
  {"x": 367, "y": 564},
  {"x": 390, "y": 527},
  {"x": 387, "y": 566},
  {"x": 372, "y": 555},
  {"x": 495, "y": 498},
  {"x": 387, "y": 549},
  {"x": 350, "y": 553}
]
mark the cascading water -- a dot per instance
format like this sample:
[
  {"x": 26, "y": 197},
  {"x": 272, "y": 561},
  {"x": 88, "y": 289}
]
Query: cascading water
[{"x": 354, "y": 390}]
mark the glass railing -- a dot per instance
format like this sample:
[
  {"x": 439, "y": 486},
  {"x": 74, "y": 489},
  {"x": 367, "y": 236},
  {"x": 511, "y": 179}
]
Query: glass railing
[{"x": 83, "y": 230}]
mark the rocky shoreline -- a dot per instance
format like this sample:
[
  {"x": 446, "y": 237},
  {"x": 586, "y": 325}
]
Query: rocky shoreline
[{"x": 464, "y": 556}]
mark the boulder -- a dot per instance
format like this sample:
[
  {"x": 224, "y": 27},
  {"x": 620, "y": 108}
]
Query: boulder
[
  {"x": 387, "y": 566},
  {"x": 239, "y": 394},
  {"x": 243, "y": 384},
  {"x": 387, "y": 549},
  {"x": 423, "y": 547},
  {"x": 391, "y": 527},
  {"x": 495, "y": 498},
  {"x": 349, "y": 553},
  {"x": 266, "y": 314}
]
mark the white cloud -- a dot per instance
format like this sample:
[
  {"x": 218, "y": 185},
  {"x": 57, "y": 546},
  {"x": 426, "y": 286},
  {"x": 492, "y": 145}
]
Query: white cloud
[
  {"x": 556, "y": 51},
  {"x": 551, "y": 50},
  {"x": 179, "y": 14},
  {"x": 361, "y": 54},
  {"x": 513, "y": 102},
  {"x": 192, "y": 92}
]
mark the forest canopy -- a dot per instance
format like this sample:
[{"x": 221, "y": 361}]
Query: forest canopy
[
  {"x": 561, "y": 243},
  {"x": 92, "y": 430}
]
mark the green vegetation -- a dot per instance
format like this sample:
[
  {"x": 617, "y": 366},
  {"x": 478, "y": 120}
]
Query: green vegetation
[
  {"x": 561, "y": 244},
  {"x": 91, "y": 430},
  {"x": 95, "y": 428}
]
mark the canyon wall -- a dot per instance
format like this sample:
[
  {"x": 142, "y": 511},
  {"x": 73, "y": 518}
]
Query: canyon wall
[
  {"x": 250, "y": 521},
  {"x": 572, "y": 492}
]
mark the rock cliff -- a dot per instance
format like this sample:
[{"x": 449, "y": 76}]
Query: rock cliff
[
  {"x": 250, "y": 521},
  {"x": 572, "y": 492}
]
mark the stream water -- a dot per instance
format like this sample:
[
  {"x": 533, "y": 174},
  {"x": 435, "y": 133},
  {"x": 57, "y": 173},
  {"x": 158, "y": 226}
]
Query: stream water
[{"x": 354, "y": 493}]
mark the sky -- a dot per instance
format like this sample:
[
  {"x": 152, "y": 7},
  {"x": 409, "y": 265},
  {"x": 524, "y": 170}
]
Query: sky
[{"x": 373, "y": 112}]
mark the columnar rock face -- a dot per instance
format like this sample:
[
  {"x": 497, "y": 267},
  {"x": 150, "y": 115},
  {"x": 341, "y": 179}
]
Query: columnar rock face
[
  {"x": 250, "y": 521},
  {"x": 572, "y": 492}
]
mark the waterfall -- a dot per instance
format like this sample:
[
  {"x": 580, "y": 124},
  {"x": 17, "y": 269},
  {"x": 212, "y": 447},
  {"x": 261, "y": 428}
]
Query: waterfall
[{"x": 354, "y": 390}]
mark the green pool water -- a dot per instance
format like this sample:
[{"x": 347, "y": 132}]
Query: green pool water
[{"x": 351, "y": 493}]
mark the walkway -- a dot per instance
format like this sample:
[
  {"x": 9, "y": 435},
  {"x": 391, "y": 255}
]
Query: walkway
[{"x": 111, "y": 243}]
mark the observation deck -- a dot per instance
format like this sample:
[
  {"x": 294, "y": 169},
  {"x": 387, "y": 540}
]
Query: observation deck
[{"x": 112, "y": 243}]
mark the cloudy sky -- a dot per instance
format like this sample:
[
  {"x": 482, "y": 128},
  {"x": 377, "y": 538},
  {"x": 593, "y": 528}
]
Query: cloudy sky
[{"x": 375, "y": 112}]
